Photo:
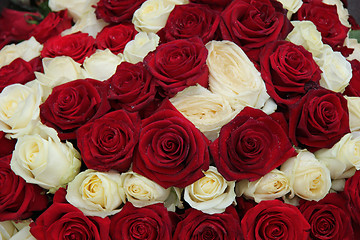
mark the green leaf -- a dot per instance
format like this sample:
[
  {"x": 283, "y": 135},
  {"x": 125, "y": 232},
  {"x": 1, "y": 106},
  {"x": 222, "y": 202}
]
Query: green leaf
[
  {"x": 355, "y": 34},
  {"x": 44, "y": 8}
]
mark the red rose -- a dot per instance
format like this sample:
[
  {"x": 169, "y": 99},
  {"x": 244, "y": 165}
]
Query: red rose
[
  {"x": 109, "y": 141},
  {"x": 73, "y": 104},
  {"x": 115, "y": 11},
  {"x": 353, "y": 89},
  {"x": 217, "y": 4},
  {"x": 18, "y": 199},
  {"x": 78, "y": 46},
  {"x": 328, "y": 218},
  {"x": 171, "y": 151},
  {"x": 190, "y": 20},
  {"x": 131, "y": 87},
  {"x": 64, "y": 221},
  {"x": 250, "y": 145},
  {"x": 274, "y": 220},
  {"x": 150, "y": 222},
  {"x": 319, "y": 119},
  {"x": 6, "y": 146},
  {"x": 18, "y": 71},
  {"x": 286, "y": 69},
  {"x": 178, "y": 64},
  {"x": 115, "y": 37},
  {"x": 198, "y": 225},
  {"x": 352, "y": 192},
  {"x": 52, "y": 25},
  {"x": 326, "y": 20},
  {"x": 249, "y": 25}
]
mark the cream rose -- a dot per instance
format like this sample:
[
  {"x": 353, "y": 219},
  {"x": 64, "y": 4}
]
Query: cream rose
[
  {"x": 234, "y": 76},
  {"x": 141, "y": 191},
  {"x": 291, "y": 5},
  {"x": 102, "y": 64},
  {"x": 309, "y": 178},
  {"x": 76, "y": 8},
  {"x": 137, "y": 49},
  {"x": 211, "y": 194},
  {"x": 19, "y": 108},
  {"x": 274, "y": 184},
  {"x": 15, "y": 230},
  {"x": 353, "y": 43},
  {"x": 354, "y": 112},
  {"x": 44, "y": 160},
  {"x": 97, "y": 193},
  {"x": 206, "y": 110}
]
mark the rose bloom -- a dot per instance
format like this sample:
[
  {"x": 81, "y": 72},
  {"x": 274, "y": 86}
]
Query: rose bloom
[
  {"x": 352, "y": 193},
  {"x": 178, "y": 64},
  {"x": 245, "y": 23},
  {"x": 328, "y": 218},
  {"x": 198, "y": 225},
  {"x": 76, "y": 9},
  {"x": 63, "y": 221},
  {"x": 78, "y": 46},
  {"x": 96, "y": 193},
  {"x": 108, "y": 142},
  {"x": 287, "y": 69},
  {"x": 7, "y": 146},
  {"x": 151, "y": 222},
  {"x": 211, "y": 193},
  {"x": 16, "y": 230},
  {"x": 309, "y": 178},
  {"x": 353, "y": 89},
  {"x": 137, "y": 49},
  {"x": 234, "y": 76},
  {"x": 250, "y": 145},
  {"x": 318, "y": 120},
  {"x": 18, "y": 199},
  {"x": 354, "y": 112},
  {"x": 171, "y": 151},
  {"x": 274, "y": 220}
]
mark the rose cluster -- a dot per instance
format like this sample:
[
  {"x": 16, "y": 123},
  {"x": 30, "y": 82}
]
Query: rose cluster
[{"x": 177, "y": 119}]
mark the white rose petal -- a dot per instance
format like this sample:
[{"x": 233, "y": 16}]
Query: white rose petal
[
  {"x": 291, "y": 5},
  {"x": 354, "y": 112},
  {"x": 96, "y": 193},
  {"x": 338, "y": 185},
  {"x": 76, "y": 8},
  {"x": 234, "y": 76},
  {"x": 309, "y": 178},
  {"x": 143, "y": 43},
  {"x": 354, "y": 44},
  {"x": 7, "y": 230},
  {"x": 16, "y": 230},
  {"x": 211, "y": 194}
]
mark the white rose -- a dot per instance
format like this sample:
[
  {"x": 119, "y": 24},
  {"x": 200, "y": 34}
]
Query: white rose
[
  {"x": 19, "y": 108},
  {"x": 291, "y": 5},
  {"x": 96, "y": 193},
  {"x": 7, "y": 230},
  {"x": 141, "y": 191},
  {"x": 309, "y": 178},
  {"x": 274, "y": 184},
  {"x": 211, "y": 194},
  {"x": 143, "y": 43},
  {"x": 306, "y": 35},
  {"x": 26, "y": 50},
  {"x": 76, "y": 8},
  {"x": 101, "y": 65},
  {"x": 354, "y": 112},
  {"x": 336, "y": 70},
  {"x": 234, "y": 76},
  {"x": 341, "y": 11},
  {"x": 44, "y": 160},
  {"x": 16, "y": 230},
  {"x": 206, "y": 110},
  {"x": 354, "y": 44},
  {"x": 343, "y": 159}
]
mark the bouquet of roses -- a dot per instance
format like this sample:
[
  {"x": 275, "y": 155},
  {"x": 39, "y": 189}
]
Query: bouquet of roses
[{"x": 177, "y": 119}]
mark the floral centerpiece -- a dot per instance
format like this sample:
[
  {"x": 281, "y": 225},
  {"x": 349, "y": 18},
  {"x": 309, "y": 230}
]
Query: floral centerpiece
[{"x": 177, "y": 119}]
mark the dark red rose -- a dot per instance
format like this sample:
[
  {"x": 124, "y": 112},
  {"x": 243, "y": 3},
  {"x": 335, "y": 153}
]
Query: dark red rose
[
  {"x": 328, "y": 218},
  {"x": 326, "y": 20},
  {"x": 253, "y": 23},
  {"x": 131, "y": 87},
  {"x": 286, "y": 68},
  {"x": 217, "y": 4},
  {"x": 151, "y": 222},
  {"x": 18, "y": 199},
  {"x": 353, "y": 23},
  {"x": 78, "y": 46},
  {"x": 172, "y": 151},
  {"x": 115, "y": 37},
  {"x": 18, "y": 71},
  {"x": 274, "y": 220},
  {"x": 243, "y": 205},
  {"x": 353, "y": 89},
  {"x": 178, "y": 64},
  {"x": 6, "y": 146},
  {"x": 250, "y": 145},
  {"x": 352, "y": 192},
  {"x": 73, "y": 104},
  {"x": 115, "y": 11},
  {"x": 109, "y": 141},
  {"x": 52, "y": 25},
  {"x": 319, "y": 119},
  {"x": 198, "y": 225},
  {"x": 190, "y": 20},
  {"x": 64, "y": 221}
]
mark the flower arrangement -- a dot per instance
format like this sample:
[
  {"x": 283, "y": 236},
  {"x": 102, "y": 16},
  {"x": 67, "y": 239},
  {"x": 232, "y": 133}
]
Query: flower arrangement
[{"x": 177, "y": 119}]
